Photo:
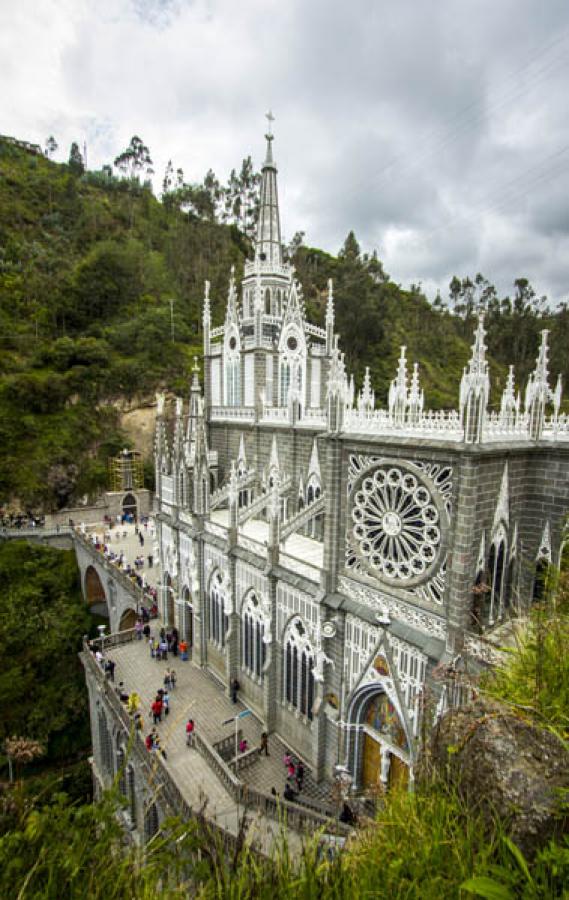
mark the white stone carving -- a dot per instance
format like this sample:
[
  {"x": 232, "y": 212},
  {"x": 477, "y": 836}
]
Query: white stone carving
[
  {"x": 395, "y": 525},
  {"x": 373, "y": 599}
]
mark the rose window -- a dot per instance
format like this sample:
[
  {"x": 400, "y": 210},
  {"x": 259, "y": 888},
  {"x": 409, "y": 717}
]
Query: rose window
[{"x": 395, "y": 528}]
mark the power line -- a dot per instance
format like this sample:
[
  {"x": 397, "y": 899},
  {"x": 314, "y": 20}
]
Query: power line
[{"x": 449, "y": 135}]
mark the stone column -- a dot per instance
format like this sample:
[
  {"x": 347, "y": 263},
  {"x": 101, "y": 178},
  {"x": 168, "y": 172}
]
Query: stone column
[
  {"x": 333, "y": 525},
  {"x": 199, "y": 603},
  {"x": 462, "y": 550},
  {"x": 270, "y": 680}
]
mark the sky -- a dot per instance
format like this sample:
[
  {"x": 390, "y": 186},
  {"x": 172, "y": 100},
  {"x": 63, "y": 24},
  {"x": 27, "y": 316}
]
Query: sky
[{"x": 438, "y": 130}]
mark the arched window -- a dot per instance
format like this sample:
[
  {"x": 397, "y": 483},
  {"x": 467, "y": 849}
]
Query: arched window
[
  {"x": 105, "y": 745},
  {"x": 253, "y": 649},
  {"x": 121, "y": 774},
  {"x": 284, "y": 382},
  {"x": 268, "y": 302},
  {"x": 131, "y": 792},
  {"x": 540, "y": 585},
  {"x": 233, "y": 381},
  {"x": 151, "y": 822},
  {"x": 497, "y": 575},
  {"x": 298, "y": 666},
  {"x": 217, "y": 618}
]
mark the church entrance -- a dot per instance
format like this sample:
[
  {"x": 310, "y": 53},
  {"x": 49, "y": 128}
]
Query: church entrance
[
  {"x": 170, "y": 606},
  {"x": 379, "y": 748},
  {"x": 129, "y": 507},
  {"x": 188, "y": 620}
]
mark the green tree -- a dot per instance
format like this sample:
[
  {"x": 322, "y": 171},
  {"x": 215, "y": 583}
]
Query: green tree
[
  {"x": 75, "y": 162},
  {"x": 135, "y": 160},
  {"x": 42, "y": 623}
]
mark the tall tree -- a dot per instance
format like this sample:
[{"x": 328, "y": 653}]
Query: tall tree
[
  {"x": 75, "y": 162},
  {"x": 135, "y": 160}
]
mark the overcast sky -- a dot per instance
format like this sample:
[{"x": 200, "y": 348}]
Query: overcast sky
[{"x": 437, "y": 129}]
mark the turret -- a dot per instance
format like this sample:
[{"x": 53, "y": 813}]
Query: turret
[
  {"x": 538, "y": 392},
  {"x": 336, "y": 390},
  {"x": 475, "y": 388},
  {"x": 398, "y": 392}
]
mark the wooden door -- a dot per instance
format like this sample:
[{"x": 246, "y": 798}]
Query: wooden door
[
  {"x": 371, "y": 763},
  {"x": 398, "y": 773}
]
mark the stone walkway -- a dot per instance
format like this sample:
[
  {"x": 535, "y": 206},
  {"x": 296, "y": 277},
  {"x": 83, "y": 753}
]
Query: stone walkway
[{"x": 200, "y": 696}]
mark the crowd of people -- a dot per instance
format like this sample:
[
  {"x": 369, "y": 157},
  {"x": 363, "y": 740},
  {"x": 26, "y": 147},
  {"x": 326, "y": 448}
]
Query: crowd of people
[{"x": 21, "y": 520}]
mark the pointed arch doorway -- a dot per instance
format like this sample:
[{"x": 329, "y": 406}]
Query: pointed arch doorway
[
  {"x": 379, "y": 749},
  {"x": 188, "y": 618}
]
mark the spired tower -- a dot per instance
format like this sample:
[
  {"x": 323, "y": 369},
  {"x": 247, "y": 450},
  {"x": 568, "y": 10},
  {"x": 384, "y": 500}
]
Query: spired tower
[{"x": 269, "y": 356}]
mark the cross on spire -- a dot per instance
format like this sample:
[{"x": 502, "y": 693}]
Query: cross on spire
[{"x": 270, "y": 119}]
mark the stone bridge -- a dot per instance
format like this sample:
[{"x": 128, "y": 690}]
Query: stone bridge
[{"x": 107, "y": 590}]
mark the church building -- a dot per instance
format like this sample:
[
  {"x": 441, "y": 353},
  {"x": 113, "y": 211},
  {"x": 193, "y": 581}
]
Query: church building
[{"x": 329, "y": 554}]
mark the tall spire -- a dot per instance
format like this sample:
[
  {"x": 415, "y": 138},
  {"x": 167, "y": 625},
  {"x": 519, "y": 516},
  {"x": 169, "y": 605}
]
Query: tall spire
[{"x": 268, "y": 247}]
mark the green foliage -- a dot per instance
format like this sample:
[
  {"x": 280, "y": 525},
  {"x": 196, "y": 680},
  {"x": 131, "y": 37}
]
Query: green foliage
[
  {"x": 43, "y": 620},
  {"x": 535, "y": 676}
]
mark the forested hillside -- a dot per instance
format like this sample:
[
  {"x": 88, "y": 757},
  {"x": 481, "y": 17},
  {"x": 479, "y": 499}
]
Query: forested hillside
[{"x": 89, "y": 263}]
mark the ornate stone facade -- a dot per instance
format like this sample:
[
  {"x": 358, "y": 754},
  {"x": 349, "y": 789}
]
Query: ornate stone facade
[{"x": 329, "y": 554}]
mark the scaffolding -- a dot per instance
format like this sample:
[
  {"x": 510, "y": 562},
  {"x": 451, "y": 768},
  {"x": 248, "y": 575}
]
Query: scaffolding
[{"x": 126, "y": 471}]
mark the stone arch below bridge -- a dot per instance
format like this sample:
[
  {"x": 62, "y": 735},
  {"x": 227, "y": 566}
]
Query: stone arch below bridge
[
  {"x": 95, "y": 592},
  {"x": 127, "y": 619}
]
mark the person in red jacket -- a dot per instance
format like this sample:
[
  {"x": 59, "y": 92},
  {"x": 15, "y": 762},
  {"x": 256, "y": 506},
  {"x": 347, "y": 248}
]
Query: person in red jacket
[
  {"x": 190, "y": 728},
  {"x": 157, "y": 710},
  {"x": 148, "y": 741}
]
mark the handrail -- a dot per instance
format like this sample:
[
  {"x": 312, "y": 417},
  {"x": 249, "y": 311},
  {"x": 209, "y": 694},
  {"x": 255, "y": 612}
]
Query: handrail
[{"x": 301, "y": 818}]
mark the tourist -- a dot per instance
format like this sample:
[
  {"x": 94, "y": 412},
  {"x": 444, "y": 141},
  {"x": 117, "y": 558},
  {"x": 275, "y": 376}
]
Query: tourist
[
  {"x": 299, "y": 775},
  {"x": 287, "y": 759},
  {"x": 183, "y": 651},
  {"x": 110, "y": 669},
  {"x": 347, "y": 815},
  {"x": 138, "y": 722},
  {"x": 157, "y": 746},
  {"x": 288, "y": 793},
  {"x": 164, "y": 649},
  {"x": 99, "y": 657},
  {"x": 167, "y": 681},
  {"x": 151, "y": 644},
  {"x": 291, "y": 770},
  {"x": 175, "y": 639},
  {"x": 141, "y": 539},
  {"x": 133, "y": 702},
  {"x": 190, "y": 729},
  {"x": 166, "y": 702},
  {"x": 234, "y": 689},
  {"x": 243, "y": 745},
  {"x": 264, "y": 748},
  {"x": 139, "y": 629},
  {"x": 156, "y": 710},
  {"x": 150, "y": 560},
  {"x": 146, "y": 629},
  {"x": 173, "y": 679},
  {"x": 148, "y": 740}
]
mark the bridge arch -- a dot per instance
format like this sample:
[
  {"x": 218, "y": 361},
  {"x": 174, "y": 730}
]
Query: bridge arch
[{"x": 94, "y": 592}]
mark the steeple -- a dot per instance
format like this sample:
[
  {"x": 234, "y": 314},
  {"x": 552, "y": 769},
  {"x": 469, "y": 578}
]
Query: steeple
[{"x": 268, "y": 247}]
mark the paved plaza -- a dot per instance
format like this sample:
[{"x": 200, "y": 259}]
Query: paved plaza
[{"x": 199, "y": 695}]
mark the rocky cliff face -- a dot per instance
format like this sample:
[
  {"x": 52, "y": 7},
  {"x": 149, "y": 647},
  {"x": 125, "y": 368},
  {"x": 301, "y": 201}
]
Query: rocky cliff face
[{"x": 504, "y": 765}]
